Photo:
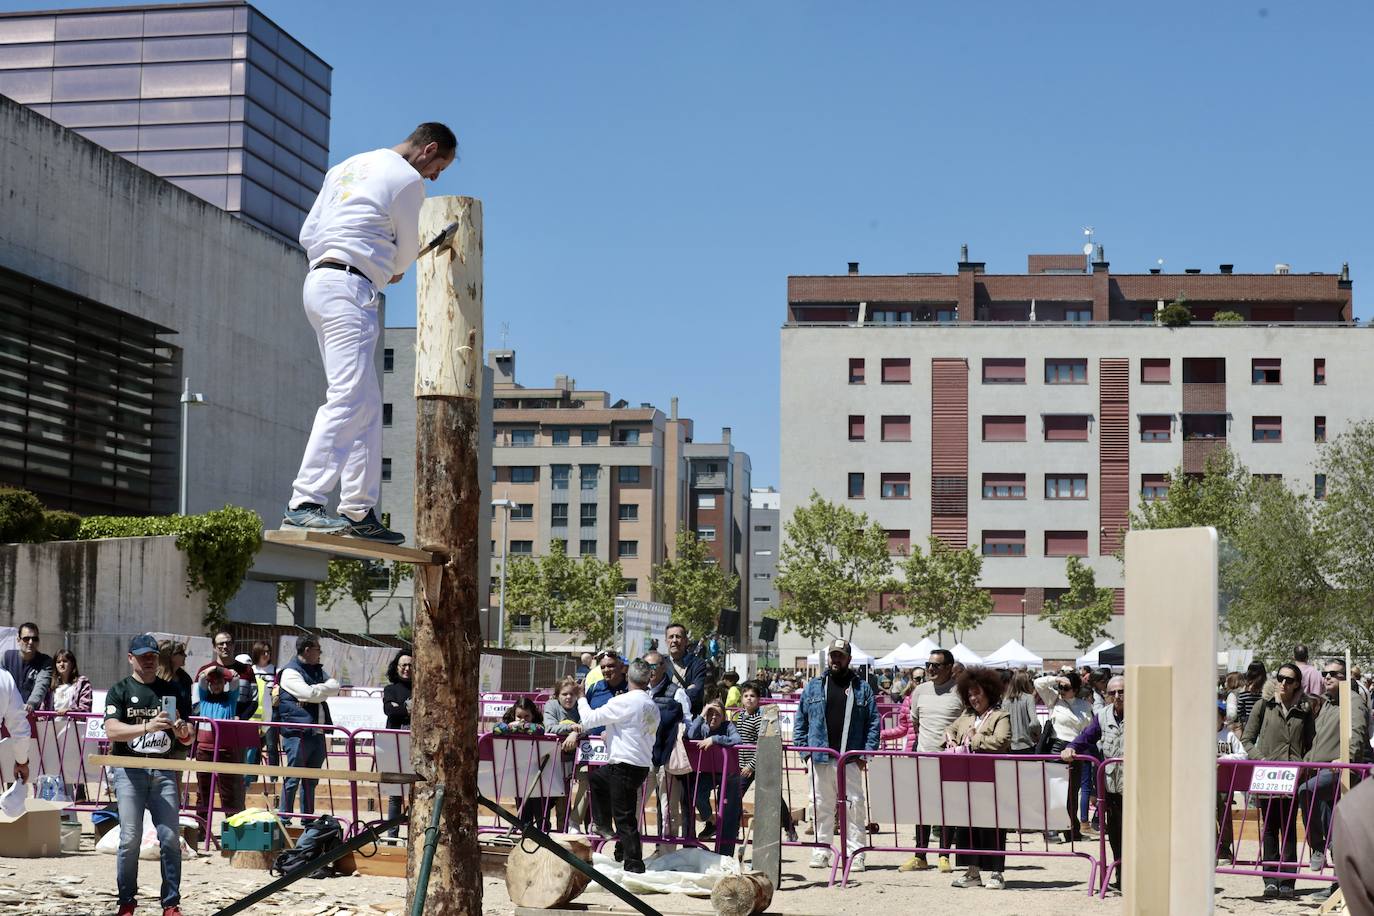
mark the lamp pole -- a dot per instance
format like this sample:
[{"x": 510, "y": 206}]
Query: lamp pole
[
  {"x": 1023, "y": 622},
  {"x": 506, "y": 504},
  {"x": 187, "y": 399}
]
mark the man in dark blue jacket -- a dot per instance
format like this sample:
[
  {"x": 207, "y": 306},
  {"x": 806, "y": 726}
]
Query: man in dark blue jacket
[
  {"x": 838, "y": 710},
  {"x": 688, "y": 670},
  {"x": 673, "y": 791}
]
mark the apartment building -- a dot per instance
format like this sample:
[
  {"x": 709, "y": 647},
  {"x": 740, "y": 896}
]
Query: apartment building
[
  {"x": 765, "y": 537},
  {"x": 718, "y": 479},
  {"x": 1026, "y": 415}
]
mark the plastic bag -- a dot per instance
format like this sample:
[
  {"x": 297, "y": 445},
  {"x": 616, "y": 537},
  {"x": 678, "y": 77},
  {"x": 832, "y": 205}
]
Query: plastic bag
[
  {"x": 684, "y": 871},
  {"x": 50, "y": 788},
  {"x": 12, "y": 802},
  {"x": 148, "y": 848}
]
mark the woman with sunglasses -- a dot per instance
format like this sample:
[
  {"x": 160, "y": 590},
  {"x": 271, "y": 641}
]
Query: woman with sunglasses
[{"x": 1069, "y": 715}]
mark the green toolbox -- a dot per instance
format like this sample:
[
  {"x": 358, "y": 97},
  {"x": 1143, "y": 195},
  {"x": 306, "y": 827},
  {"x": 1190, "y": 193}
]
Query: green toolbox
[{"x": 257, "y": 836}]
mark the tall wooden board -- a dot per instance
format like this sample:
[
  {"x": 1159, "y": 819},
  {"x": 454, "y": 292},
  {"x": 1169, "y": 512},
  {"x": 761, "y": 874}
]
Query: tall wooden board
[{"x": 767, "y": 847}]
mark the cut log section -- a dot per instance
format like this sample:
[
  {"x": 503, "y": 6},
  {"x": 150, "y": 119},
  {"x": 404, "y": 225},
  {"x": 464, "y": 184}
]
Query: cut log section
[
  {"x": 535, "y": 877},
  {"x": 742, "y": 895}
]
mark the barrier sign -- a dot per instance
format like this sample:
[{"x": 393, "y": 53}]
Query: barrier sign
[
  {"x": 593, "y": 750},
  {"x": 1273, "y": 780}
]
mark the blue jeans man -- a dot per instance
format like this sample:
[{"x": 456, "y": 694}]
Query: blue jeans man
[
  {"x": 301, "y": 750},
  {"x": 158, "y": 793}
]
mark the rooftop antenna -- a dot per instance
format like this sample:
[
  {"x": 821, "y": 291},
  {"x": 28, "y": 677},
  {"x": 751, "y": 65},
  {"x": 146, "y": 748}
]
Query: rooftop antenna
[
  {"x": 505, "y": 335},
  {"x": 1088, "y": 248}
]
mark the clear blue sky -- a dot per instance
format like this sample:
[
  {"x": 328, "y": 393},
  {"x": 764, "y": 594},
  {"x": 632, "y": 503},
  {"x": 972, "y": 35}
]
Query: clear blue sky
[{"x": 651, "y": 173}]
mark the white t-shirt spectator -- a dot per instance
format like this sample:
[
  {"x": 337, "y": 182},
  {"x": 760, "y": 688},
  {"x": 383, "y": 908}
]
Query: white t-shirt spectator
[{"x": 631, "y": 721}]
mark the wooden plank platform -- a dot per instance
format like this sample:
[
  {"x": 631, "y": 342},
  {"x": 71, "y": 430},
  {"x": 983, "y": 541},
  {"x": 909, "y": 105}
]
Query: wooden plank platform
[
  {"x": 342, "y": 546},
  {"x": 247, "y": 769}
]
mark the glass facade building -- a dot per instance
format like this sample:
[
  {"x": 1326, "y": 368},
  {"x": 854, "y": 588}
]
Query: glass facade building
[{"x": 214, "y": 97}]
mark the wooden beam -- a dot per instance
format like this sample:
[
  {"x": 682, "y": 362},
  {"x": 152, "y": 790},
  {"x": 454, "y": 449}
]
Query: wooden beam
[
  {"x": 343, "y": 546},
  {"x": 1149, "y": 745},
  {"x": 228, "y": 768}
]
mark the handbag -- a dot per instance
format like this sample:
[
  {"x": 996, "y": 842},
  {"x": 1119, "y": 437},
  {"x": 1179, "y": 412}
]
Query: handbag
[
  {"x": 1047, "y": 738},
  {"x": 678, "y": 764}
]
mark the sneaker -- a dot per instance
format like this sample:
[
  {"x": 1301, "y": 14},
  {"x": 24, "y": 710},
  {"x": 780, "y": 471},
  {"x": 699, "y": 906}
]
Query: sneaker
[
  {"x": 1271, "y": 889},
  {"x": 1323, "y": 894},
  {"x": 1286, "y": 891},
  {"x": 820, "y": 858},
  {"x": 995, "y": 882},
  {"x": 618, "y": 854},
  {"x": 968, "y": 879},
  {"x": 370, "y": 529},
  {"x": 791, "y": 834},
  {"x": 1318, "y": 860},
  {"x": 312, "y": 517},
  {"x": 945, "y": 867},
  {"x": 915, "y": 863},
  {"x": 126, "y": 909},
  {"x": 857, "y": 863},
  {"x": 707, "y": 832},
  {"x": 605, "y": 833}
]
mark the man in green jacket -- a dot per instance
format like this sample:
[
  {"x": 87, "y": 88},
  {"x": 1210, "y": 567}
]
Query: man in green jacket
[{"x": 1317, "y": 794}]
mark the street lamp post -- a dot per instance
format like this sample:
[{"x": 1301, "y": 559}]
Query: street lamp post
[
  {"x": 1023, "y": 622},
  {"x": 187, "y": 399},
  {"x": 507, "y": 504}
]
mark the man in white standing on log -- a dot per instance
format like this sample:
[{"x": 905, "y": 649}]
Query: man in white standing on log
[{"x": 362, "y": 233}]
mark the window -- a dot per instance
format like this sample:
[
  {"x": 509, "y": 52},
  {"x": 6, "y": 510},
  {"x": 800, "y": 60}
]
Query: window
[
  {"x": 386, "y": 414},
  {"x": 591, "y": 436},
  {"x": 1319, "y": 371},
  {"x": 1004, "y": 486},
  {"x": 896, "y": 371},
  {"x": 586, "y": 514},
  {"x": 1319, "y": 486},
  {"x": 388, "y": 360},
  {"x": 522, "y": 474},
  {"x": 856, "y": 485},
  {"x": 627, "y": 436},
  {"x": 562, "y": 436},
  {"x": 629, "y": 512},
  {"x": 1204, "y": 370},
  {"x": 558, "y": 514},
  {"x": 1319, "y": 429},
  {"x": 629, "y": 586},
  {"x": 856, "y": 370},
  {"x": 891, "y": 316},
  {"x": 706, "y": 501},
  {"x": 587, "y": 547},
  {"x": 1276, "y": 478},
  {"x": 1004, "y": 543},
  {"x": 1066, "y": 543},
  {"x": 763, "y": 527},
  {"x": 897, "y": 428},
  {"x": 1156, "y": 427},
  {"x": 706, "y": 533},
  {"x": 628, "y": 473},
  {"x": 1004, "y": 429},
  {"x": 1007, "y": 600},
  {"x": 1204, "y": 426},
  {"x": 1066, "y": 372},
  {"x": 627, "y": 549},
  {"x": 946, "y": 315},
  {"x": 899, "y": 541},
  {"x": 856, "y": 427},
  {"x": 521, "y": 548},
  {"x": 1153, "y": 487},
  {"x": 1004, "y": 371},
  {"x": 896, "y": 486},
  {"x": 386, "y": 469},
  {"x": 522, "y": 512},
  {"x": 559, "y": 475},
  {"x": 1154, "y": 371},
  {"x": 1067, "y": 427},
  {"x": 1266, "y": 429},
  {"x": 587, "y": 475},
  {"x": 521, "y": 438},
  {"x": 1066, "y": 486},
  {"x": 1265, "y": 371},
  {"x": 1078, "y": 314}
]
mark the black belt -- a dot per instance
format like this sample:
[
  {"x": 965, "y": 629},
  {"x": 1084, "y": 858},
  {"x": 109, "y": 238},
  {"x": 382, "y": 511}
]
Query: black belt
[{"x": 335, "y": 265}]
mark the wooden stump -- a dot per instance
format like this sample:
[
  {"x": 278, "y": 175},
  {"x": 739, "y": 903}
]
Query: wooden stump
[
  {"x": 742, "y": 895},
  {"x": 249, "y": 858},
  {"x": 535, "y": 877}
]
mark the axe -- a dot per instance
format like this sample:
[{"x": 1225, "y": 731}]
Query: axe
[{"x": 443, "y": 238}]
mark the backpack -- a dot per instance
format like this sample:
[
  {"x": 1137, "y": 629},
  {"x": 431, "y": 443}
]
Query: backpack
[{"x": 323, "y": 834}]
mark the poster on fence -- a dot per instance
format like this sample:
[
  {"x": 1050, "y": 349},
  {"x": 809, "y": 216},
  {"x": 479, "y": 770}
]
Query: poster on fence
[
  {"x": 521, "y": 768},
  {"x": 392, "y": 751},
  {"x": 357, "y": 712},
  {"x": 489, "y": 674},
  {"x": 968, "y": 790},
  {"x": 641, "y": 625}
]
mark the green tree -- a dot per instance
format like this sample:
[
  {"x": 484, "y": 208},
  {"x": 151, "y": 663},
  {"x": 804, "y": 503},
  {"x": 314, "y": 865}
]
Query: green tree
[
  {"x": 1176, "y": 314},
  {"x": 831, "y": 567},
  {"x": 1345, "y": 522},
  {"x": 360, "y": 581},
  {"x": 1083, "y": 612},
  {"x": 941, "y": 590},
  {"x": 1218, "y": 497},
  {"x": 694, "y": 584},
  {"x": 589, "y": 609},
  {"x": 525, "y": 598}
]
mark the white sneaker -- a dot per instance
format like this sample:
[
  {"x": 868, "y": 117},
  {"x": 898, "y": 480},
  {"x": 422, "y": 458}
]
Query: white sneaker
[
  {"x": 968, "y": 879},
  {"x": 820, "y": 858},
  {"x": 995, "y": 882},
  {"x": 857, "y": 863}
]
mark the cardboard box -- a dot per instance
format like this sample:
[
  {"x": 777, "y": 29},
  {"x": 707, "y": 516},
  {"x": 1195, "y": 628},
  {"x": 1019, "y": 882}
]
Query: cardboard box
[{"x": 34, "y": 834}]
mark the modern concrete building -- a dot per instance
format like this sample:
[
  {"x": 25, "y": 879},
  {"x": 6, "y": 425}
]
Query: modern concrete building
[
  {"x": 765, "y": 537},
  {"x": 1026, "y": 415},
  {"x": 718, "y": 486},
  {"x": 214, "y": 97}
]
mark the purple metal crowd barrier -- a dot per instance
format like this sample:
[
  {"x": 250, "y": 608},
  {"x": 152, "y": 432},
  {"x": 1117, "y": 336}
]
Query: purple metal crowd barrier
[
  {"x": 382, "y": 750},
  {"x": 529, "y": 773},
  {"x": 986, "y": 798}
]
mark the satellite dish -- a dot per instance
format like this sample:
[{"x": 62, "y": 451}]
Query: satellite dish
[{"x": 1088, "y": 248}]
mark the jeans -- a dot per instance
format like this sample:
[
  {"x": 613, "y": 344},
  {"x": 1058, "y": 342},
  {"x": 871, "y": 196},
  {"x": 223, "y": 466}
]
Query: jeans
[
  {"x": 1317, "y": 795},
  {"x": 158, "y": 793},
  {"x": 1086, "y": 790},
  {"x": 615, "y": 797},
  {"x": 230, "y": 788},
  {"x": 980, "y": 838},
  {"x": 1280, "y": 828},
  {"x": 305, "y": 750},
  {"x": 727, "y": 831}
]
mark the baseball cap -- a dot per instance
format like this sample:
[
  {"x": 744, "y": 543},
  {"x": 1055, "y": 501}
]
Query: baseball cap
[
  {"x": 839, "y": 645},
  {"x": 142, "y": 645}
]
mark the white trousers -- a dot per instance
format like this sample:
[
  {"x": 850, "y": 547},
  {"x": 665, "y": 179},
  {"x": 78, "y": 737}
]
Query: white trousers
[
  {"x": 345, "y": 445},
  {"x": 823, "y": 788}
]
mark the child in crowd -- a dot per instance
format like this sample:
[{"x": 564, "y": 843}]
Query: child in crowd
[
  {"x": 1228, "y": 748},
  {"x": 521, "y": 719},
  {"x": 749, "y": 724}
]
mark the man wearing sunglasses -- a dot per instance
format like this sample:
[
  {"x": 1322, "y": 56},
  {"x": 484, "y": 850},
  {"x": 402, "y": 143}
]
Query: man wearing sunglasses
[
  {"x": 1106, "y": 733},
  {"x": 31, "y": 669},
  {"x": 1281, "y": 728},
  {"x": 933, "y": 707},
  {"x": 1317, "y": 794}
]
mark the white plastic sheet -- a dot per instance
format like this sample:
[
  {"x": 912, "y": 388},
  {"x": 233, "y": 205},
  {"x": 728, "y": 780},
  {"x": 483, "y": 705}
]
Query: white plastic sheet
[{"x": 683, "y": 871}]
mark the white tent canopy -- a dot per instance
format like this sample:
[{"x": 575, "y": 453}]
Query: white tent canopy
[
  {"x": 1090, "y": 658},
  {"x": 857, "y": 656},
  {"x": 890, "y": 659},
  {"x": 965, "y": 656},
  {"x": 1014, "y": 655},
  {"x": 905, "y": 656}
]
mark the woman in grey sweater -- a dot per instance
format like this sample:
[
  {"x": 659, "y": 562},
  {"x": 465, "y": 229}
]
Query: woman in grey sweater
[{"x": 1019, "y": 704}]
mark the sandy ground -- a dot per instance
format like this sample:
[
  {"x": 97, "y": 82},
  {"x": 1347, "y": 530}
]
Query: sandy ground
[{"x": 82, "y": 884}]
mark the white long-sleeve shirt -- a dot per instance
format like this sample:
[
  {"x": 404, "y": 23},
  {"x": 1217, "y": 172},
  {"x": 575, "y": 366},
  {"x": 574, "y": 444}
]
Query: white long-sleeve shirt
[
  {"x": 16, "y": 719},
  {"x": 1068, "y": 717},
  {"x": 292, "y": 682},
  {"x": 631, "y": 721},
  {"x": 367, "y": 215}
]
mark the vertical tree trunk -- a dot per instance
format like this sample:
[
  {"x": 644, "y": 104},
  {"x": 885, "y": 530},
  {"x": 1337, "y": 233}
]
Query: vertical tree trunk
[{"x": 448, "y": 503}]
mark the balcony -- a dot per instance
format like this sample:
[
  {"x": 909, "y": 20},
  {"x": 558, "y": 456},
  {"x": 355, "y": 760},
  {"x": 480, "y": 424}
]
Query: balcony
[{"x": 709, "y": 481}]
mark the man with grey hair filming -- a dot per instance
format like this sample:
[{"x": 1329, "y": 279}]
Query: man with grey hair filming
[{"x": 631, "y": 723}]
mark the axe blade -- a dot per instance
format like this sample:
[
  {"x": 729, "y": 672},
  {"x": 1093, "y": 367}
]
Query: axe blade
[{"x": 446, "y": 235}]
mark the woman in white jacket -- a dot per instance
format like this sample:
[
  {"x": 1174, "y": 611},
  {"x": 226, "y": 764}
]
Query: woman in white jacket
[{"x": 1069, "y": 715}]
